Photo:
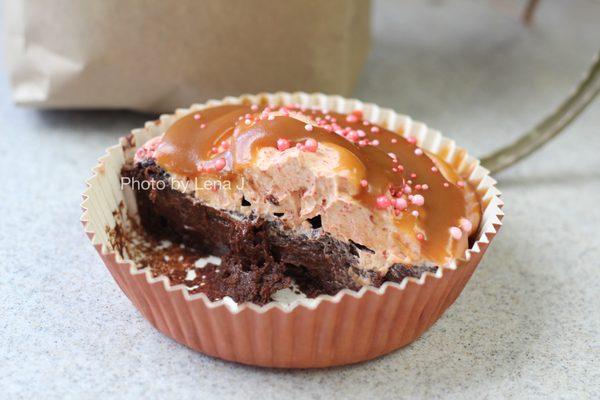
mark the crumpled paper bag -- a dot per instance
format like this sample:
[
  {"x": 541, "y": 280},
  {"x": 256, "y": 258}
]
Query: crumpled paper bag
[{"x": 156, "y": 55}]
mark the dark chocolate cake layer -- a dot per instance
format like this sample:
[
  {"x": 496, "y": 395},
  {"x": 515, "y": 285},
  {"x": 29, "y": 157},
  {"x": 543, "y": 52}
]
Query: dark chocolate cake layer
[{"x": 259, "y": 257}]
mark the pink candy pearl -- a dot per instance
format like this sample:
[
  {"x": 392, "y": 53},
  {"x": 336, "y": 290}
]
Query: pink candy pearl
[
  {"x": 220, "y": 164},
  {"x": 455, "y": 232},
  {"x": 283, "y": 144},
  {"x": 351, "y": 118},
  {"x": 383, "y": 202},
  {"x": 400, "y": 204},
  {"x": 311, "y": 145},
  {"x": 418, "y": 200},
  {"x": 352, "y": 136},
  {"x": 466, "y": 225}
]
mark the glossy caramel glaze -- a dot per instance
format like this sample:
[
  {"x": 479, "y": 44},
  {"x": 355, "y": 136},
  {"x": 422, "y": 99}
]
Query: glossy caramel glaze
[{"x": 226, "y": 139}]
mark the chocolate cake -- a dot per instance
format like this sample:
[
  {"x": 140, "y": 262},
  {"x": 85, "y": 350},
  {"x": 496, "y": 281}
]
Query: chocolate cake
[{"x": 269, "y": 198}]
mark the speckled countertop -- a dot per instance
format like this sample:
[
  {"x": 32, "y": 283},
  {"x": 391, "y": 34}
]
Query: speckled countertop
[{"x": 527, "y": 324}]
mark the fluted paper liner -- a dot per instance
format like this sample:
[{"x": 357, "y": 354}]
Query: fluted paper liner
[{"x": 330, "y": 330}]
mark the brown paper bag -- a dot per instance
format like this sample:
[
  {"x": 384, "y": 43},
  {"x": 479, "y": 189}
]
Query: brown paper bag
[{"x": 156, "y": 55}]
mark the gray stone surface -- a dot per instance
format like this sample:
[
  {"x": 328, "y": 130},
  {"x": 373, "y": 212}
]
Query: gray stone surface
[{"x": 526, "y": 326}]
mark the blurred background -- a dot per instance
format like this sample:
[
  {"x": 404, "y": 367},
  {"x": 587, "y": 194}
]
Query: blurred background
[{"x": 525, "y": 326}]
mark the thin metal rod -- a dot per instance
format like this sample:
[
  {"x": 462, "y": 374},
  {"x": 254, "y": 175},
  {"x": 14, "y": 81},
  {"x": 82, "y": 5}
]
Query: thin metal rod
[{"x": 554, "y": 124}]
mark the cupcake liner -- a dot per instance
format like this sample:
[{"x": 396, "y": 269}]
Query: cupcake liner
[{"x": 350, "y": 327}]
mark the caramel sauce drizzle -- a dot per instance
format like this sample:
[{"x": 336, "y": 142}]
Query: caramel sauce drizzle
[{"x": 391, "y": 165}]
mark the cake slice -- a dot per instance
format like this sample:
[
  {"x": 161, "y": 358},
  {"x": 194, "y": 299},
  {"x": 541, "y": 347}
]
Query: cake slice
[{"x": 292, "y": 196}]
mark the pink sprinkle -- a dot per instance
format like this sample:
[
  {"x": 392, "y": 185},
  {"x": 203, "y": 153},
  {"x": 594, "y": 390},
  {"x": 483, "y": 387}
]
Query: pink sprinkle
[
  {"x": 351, "y": 118},
  {"x": 420, "y": 237},
  {"x": 418, "y": 200},
  {"x": 375, "y": 142},
  {"x": 308, "y": 127},
  {"x": 361, "y": 133},
  {"x": 220, "y": 164},
  {"x": 202, "y": 126},
  {"x": 411, "y": 140},
  {"x": 311, "y": 145},
  {"x": 383, "y": 202},
  {"x": 197, "y": 116},
  {"x": 413, "y": 175},
  {"x": 418, "y": 151},
  {"x": 418, "y": 187},
  {"x": 394, "y": 140},
  {"x": 254, "y": 107},
  {"x": 407, "y": 189},
  {"x": 283, "y": 144},
  {"x": 455, "y": 232},
  {"x": 352, "y": 136},
  {"x": 446, "y": 184},
  {"x": 460, "y": 184},
  {"x": 466, "y": 225},
  {"x": 425, "y": 186},
  {"x": 364, "y": 183},
  {"x": 434, "y": 169},
  {"x": 374, "y": 129},
  {"x": 400, "y": 203},
  {"x": 415, "y": 213},
  {"x": 140, "y": 153}
]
